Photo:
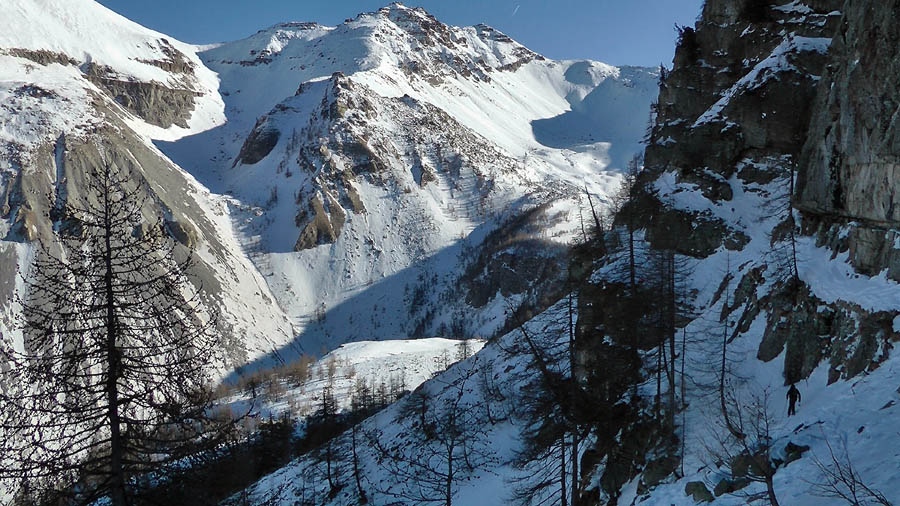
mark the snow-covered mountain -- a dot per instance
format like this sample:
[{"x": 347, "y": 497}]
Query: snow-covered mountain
[
  {"x": 80, "y": 87},
  {"x": 394, "y": 176},
  {"x": 390, "y": 177},
  {"x": 776, "y": 288}
]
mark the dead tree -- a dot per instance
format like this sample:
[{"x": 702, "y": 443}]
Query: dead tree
[
  {"x": 447, "y": 443},
  {"x": 112, "y": 378},
  {"x": 839, "y": 479},
  {"x": 743, "y": 444}
]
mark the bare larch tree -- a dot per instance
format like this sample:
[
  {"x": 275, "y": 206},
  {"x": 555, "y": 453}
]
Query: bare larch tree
[{"x": 111, "y": 381}]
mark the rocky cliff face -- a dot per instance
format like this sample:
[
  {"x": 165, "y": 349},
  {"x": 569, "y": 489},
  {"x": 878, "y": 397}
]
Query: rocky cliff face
[
  {"x": 849, "y": 178},
  {"x": 733, "y": 125},
  {"x": 771, "y": 169},
  {"x": 734, "y": 110}
]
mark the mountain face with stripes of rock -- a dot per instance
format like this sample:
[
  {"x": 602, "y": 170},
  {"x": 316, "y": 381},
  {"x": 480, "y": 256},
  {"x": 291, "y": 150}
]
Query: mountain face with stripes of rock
[
  {"x": 83, "y": 88},
  {"x": 389, "y": 177}
]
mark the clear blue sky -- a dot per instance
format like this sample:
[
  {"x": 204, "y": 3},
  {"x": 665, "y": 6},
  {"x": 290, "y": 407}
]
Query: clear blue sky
[{"x": 620, "y": 32}]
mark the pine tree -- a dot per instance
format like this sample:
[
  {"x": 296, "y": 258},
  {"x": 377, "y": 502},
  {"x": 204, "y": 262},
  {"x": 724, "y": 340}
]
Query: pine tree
[{"x": 111, "y": 380}]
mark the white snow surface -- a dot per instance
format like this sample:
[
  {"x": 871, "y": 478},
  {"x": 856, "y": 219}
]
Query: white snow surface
[
  {"x": 403, "y": 362},
  {"x": 501, "y": 361},
  {"x": 27, "y": 121}
]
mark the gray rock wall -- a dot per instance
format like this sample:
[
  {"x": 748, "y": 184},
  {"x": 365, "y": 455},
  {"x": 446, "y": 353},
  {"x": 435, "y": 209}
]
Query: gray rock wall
[
  {"x": 849, "y": 172},
  {"x": 830, "y": 116},
  {"x": 52, "y": 174}
]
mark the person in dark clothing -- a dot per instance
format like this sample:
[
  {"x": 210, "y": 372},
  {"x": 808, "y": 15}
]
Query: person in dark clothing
[{"x": 793, "y": 397}]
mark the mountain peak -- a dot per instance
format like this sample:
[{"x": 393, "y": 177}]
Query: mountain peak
[{"x": 398, "y": 6}]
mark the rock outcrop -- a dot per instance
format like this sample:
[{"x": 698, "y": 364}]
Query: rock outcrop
[
  {"x": 69, "y": 105},
  {"x": 739, "y": 98}
]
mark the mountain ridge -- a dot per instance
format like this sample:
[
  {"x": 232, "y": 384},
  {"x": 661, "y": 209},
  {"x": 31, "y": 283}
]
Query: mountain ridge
[{"x": 67, "y": 113}]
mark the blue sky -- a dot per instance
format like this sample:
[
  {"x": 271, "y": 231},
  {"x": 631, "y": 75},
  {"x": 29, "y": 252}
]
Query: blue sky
[{"x": 620, "y": 32}]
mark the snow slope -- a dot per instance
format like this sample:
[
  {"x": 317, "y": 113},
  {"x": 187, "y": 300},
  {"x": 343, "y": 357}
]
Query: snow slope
[
  {"x": 855, "y": 414},
  {"x": 859, "y": 414},
  {"x": 503, "y": 363},
  {"x": 89, "y": 33},
  {"x": 404, "y": 364}
]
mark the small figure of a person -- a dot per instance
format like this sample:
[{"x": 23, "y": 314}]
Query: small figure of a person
[{"x": 793, "y": 397}]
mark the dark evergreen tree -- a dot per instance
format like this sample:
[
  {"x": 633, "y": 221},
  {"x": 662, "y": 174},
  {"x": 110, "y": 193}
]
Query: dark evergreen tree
[
  {"x": 556, "y": 409},
  {"x": 328, "y": 453}
]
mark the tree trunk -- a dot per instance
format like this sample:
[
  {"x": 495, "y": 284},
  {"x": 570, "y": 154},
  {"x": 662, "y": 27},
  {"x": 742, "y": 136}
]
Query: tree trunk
[
  {"x": 722, "y": 402},
  {"x": 683, "y": 358},
  {"x": 594, "y": 214},
  {"x": 670, "y": 327},
  {"x": 660, "y": 349},
  {"x": 574, "y": 399},
  {"x": 683, "y": 397},
  {"x": 328, "y": 466},
  {"x": 562, "y": 471},
  {"x": 770, "y": 491},
  {"x": 116, "y": 450},
  {"x": 359, "y": 490},
  {"x": 575, "y": 475},
  {"x": 632, "y": 292},
  {"x": 448, "y": 493},
  {"x": 631, "y": 276}
]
